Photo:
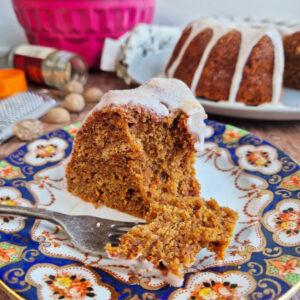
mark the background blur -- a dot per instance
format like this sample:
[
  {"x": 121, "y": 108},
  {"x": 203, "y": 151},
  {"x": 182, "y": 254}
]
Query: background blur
[{"x": 182, "y": 12}]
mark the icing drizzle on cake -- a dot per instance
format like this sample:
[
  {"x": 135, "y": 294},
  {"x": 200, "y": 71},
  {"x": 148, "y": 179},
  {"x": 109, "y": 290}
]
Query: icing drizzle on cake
[
  {"x": 250, "y": 36},
  {"x": 162, "y": 96}
]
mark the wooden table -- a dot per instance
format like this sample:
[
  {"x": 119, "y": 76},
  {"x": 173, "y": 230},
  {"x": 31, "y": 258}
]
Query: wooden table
[{"x": 283, "y": 134}]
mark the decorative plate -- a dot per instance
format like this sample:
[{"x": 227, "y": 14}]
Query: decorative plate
[{"x": 262, "y": 183}]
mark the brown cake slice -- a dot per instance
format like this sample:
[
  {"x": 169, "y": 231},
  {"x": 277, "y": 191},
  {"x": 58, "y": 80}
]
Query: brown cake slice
[
  {"x": 137, "y": 146},
  {"x": 135, "y": 152},
  {"x": 176, "y": 232}
]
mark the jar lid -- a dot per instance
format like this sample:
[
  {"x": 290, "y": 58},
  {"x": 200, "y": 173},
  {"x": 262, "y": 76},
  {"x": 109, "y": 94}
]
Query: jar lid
[{"x": 12, "y": 81}]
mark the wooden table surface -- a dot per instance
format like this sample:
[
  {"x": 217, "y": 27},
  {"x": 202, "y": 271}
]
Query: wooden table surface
[{"x": 283, "y": 134}]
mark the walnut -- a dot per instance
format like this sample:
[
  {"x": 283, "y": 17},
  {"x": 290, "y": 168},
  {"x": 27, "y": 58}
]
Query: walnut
[
  {"x": 93, "y": 94},
  {"x": 74, "y": 87},
  {"x": 57, "y": 115},
  {"x": 28, "y": 130},
  {"x": 74, "y": 102}
]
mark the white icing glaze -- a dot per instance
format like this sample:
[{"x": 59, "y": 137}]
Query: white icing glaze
[
  {"x": 218, "y": 31},
  {"x": 146, "y": 269},
  {"x": 162, "y": 96},
  {"x": 285, "y": 28},
  {"x": 288, "y": 29},
  {"x": 250, "y": 36}
]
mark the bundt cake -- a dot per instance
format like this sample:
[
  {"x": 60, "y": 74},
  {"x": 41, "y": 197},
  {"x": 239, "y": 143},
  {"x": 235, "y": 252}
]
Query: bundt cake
[
  {"x": 224, "y": 61},
  {"x": 138, "y": 145},
  {"x": 290, "y": 34},
  {"x": 291, "y": 44},
  {"x": 135, "y": 152}
]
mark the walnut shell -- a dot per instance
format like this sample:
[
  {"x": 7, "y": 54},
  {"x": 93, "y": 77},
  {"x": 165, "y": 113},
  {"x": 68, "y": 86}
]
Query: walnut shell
[
  {"x": 93, "y": 94},
  {"x": 28, "y": 130},
  {"x": 57, "y": 115},
  {"x": 74, "y": 87},
  {"x": 74, "y": 102}
]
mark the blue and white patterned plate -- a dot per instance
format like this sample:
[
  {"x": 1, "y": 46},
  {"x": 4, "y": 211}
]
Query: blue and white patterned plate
[{"x": 240, "y": 170}]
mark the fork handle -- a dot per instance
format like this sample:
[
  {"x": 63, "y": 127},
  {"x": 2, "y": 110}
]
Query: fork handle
[{"x": 39, "y": 213}]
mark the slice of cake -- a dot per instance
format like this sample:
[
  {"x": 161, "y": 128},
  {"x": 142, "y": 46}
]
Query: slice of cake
[
  {"x": 135, "y": 152},
  {"x": 177, "y": 230},
  {"x": 137, "y": 146}
]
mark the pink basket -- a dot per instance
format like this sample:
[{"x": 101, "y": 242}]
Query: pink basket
[{"x": 80, "y": 26}]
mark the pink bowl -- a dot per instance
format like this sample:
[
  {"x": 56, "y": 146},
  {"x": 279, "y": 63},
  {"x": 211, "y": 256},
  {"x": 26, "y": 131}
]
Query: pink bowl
[{"x": 80, "y": 26}]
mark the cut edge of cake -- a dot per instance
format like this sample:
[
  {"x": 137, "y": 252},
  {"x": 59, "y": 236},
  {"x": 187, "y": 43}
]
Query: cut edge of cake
[
  {"x": 138, "y": 144},
  {"x": 130, "y": 130},
  {"x": 177, "y": 230}
]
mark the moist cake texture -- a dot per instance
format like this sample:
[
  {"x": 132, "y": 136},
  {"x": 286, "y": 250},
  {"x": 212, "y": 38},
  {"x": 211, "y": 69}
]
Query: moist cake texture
[
  {"x": 136, "y": 152},
  {"x": 138, "y": 146},
  {"x": 177, "y": 230}
]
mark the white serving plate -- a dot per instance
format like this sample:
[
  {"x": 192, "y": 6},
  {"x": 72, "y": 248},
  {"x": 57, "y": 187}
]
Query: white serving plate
[
  {"x": 289, "y": 109},
  {"x": 151, "y": 65}
]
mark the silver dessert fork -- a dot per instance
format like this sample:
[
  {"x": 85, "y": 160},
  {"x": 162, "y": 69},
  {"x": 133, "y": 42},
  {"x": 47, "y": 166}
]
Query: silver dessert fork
[{"x": 88, "y": 234}]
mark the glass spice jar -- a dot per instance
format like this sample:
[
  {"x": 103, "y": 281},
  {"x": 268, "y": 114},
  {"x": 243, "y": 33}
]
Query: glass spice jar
[{"x": 50, "y": 66}]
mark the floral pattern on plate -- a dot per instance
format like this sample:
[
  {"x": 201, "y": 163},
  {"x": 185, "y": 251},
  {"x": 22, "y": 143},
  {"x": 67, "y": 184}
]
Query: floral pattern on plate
[
  {"x": 249, "y": 175},
  {"x": 216, "y": 286},
  {"x": 291, "y": 182},
  {"x": 69, "y": 282},
  {"x": 9, "y": 172},
  {"x": 43, "y": 151},
  {"x": 72, "y": 129},
  {"x": 10, "y": 253},
  {"x": 285, "y": 267},
  {"x": 284, "y": 222},
  {"x": 47, "y": 185},
  {"x": 248, "y": 187},
  {"x": 262, "y": 159},
  {"x": 233, "y": 134},
  {"x": 12, "y": 197}
]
